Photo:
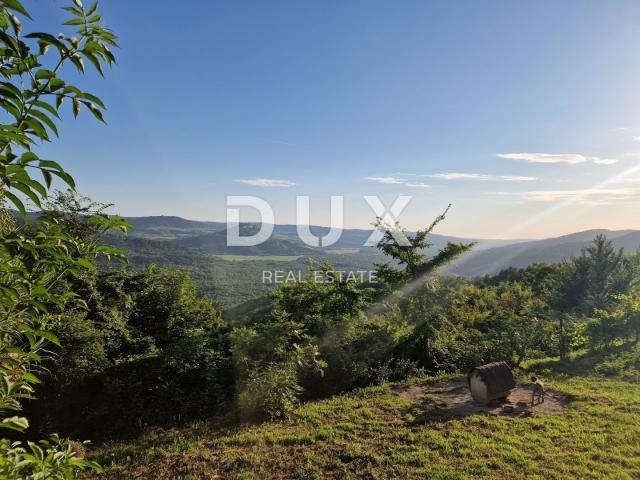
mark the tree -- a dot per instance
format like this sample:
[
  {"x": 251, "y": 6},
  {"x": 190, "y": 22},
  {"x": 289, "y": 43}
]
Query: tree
[
  {"x": 594, "y": 278},
  {"x": 31, "y": 264},
  {"x": 411, "y": 256}
]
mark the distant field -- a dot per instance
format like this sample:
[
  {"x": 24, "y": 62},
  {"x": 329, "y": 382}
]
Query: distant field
[
  {"x": 344, "y": 251},
  {"x": 250, "y": 258}
]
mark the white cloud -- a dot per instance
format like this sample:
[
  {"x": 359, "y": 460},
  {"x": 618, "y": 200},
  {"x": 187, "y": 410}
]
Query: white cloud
[
  {"x": 418, "y": 184},
  {"x": 603, "y": 161},
  {"x": 480, "y": 176},
  {"x": 589, "y": 196},
  {"x": 636, "y": 138},
  {"x": 266, "y": 182},
  {"x": 570, "y": 158},
  {"x": 387, "y": 180}
]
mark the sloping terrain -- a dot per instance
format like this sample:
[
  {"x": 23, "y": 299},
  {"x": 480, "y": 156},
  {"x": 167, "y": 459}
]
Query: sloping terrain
[
  {"x": 378, "y": 433},
  {"x": 552, "y": 250}
]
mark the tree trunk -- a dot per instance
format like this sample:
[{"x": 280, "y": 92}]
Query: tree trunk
[{"x": 563, "y": 351}]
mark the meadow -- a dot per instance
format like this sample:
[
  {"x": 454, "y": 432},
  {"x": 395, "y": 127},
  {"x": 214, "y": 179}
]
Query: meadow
[
  {"x": 258, "y": 258},
  {"x": 375, "y": 433}
]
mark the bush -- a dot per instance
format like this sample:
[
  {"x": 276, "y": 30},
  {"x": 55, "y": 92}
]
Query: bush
[
  {"x": 270, "y": 393},
  {"x": 626, "y": 365}
]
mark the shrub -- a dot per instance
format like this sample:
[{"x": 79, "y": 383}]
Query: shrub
[
  {"x": 625, "y": 365},
  {"x": 270, "y": 393}
]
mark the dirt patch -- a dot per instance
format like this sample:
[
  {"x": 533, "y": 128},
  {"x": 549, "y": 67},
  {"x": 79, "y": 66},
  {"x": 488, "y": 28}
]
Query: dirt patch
[{"x": 453, "y": 396}]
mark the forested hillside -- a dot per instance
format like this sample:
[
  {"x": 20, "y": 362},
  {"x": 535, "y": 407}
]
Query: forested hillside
[{"x": 552, "y": 250}]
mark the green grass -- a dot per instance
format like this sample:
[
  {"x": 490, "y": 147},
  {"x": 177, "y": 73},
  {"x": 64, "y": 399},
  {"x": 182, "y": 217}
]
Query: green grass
[
  {"x": 375, "y": 434},
  {"x": 250, "y": 258}
]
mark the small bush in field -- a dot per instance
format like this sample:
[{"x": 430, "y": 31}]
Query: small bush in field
[
  {"x": 625, "y": 365},
  {"x": 270, "y": 394}
]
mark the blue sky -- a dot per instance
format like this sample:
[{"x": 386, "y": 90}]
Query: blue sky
[{"x": 449, "y": 102}]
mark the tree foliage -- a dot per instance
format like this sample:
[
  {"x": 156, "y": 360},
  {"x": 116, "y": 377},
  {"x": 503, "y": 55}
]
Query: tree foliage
[
  {"x": 410, "y": 255},
  {"x": 34, "y": 260}
]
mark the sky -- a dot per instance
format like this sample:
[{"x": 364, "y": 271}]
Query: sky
[{"x": 525, "y": 116}]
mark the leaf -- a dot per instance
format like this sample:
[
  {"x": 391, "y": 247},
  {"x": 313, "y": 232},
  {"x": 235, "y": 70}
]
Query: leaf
[
  {"x": 28, "y": 192},
  {"x": 68, "y": 179},
  {"x": 31, "y": 378},
  {"x": 94, "y": 61},
  {"x": 75, "y": 11},
  {"x": 15, "y": 423},
  {"x": 48, "y": 178},
  {"x": 50, "y": 164},
  {"x": 95, "y": 111},
  {"x": 92, "y": 8},
  {"x": 10, "y": 42},
  {"x": 47, "y": 107},
  {"x": 78, "y": 4},
  {"x": 74, "y": 21},
  {"x": 56, "y": 83},
  {"x": 27, "y": 157},
  {"x": 47, "y": 335},
  {"x": 84, "y": 263},
  {"x": 16, "y": 6},
  {"x": 44, "y": 118},
  {"x": 93, "y": 98},
  {"x": 76, "y": 107},
  {"x": 76, "y": 59},
  {"x": 15, "y": 23},
  {"x": 44, "y": 74},
  {"x": 48, "y": 38},
  {"x": 37, "y": 186},
  {"x": 16, "y": 202}
]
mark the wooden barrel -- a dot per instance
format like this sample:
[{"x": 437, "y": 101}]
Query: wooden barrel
[{"x": 490, "y": 382}]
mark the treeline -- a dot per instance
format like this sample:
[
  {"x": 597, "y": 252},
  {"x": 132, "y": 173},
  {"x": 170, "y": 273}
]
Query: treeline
[{"x": 144, "y": 349}]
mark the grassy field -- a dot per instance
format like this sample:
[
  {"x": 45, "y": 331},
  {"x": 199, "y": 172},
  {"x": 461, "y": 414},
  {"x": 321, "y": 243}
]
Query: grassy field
[
  {"x": 251, "y": 258},
  {"x": 375, "y": 434}
]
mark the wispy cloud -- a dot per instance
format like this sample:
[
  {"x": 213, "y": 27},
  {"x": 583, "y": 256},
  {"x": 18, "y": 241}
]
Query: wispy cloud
[
  {"x": 481, "y": 176},
  {"x": 589, "y": 196},
  {"x": 636, "y": 138},
  {"x": 387, "y": 180},
  {"x": 572, "y": 199},
  {"x": 266, "y": 182},
  {"x": 570, "y": 158},
  {"x": 399, "y": 181},
  {"x": 603, "y": 161},
  {"x": 418, "y": 185}
]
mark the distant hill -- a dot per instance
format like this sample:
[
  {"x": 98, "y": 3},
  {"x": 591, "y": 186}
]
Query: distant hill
[
  {"x": 192, "y": 242},
  {"x": 210, "y": 237},
  {"x": 553, "y": 250},
  {"x": 216, "y": 243},
  {"x": 170, "y": 227}
]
